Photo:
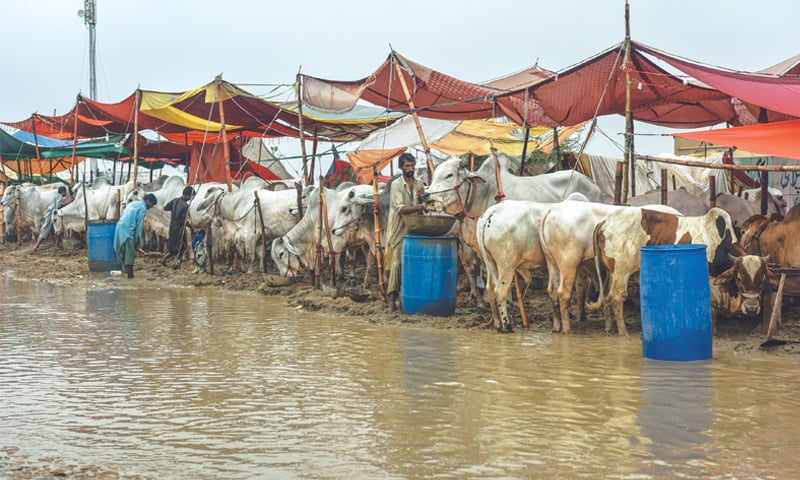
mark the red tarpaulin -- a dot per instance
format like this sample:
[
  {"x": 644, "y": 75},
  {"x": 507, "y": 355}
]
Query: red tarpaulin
[
  {"x": 779, "y": 139},
  {"x": 770, "y": 91}
]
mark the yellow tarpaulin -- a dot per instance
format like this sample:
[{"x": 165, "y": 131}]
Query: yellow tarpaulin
[{"x": 478, "y": 136}]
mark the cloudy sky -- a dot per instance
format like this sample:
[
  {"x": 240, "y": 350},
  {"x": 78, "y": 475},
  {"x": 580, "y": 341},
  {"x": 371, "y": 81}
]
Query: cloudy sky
[{"x": 175, "y": 45}]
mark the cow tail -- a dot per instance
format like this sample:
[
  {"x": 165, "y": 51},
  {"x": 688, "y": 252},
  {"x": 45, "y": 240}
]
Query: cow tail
[
  {"x": 491, "y": 267},
  {"x": 594, "y": 306}
]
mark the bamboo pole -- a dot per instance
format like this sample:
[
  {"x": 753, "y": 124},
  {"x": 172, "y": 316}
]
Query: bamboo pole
[
  {"x": 318, "y": 256},
  {"x": 298, "y": 89},
  {"x": 712, "y": 191},
  {"x": 73, "y": 171},
  {"x": 263, "y": 232},
  {"x": 38, "y": 153},
  {"x": 524, "y": 151},
  {"x": 764, "y": 192},
  {"x": 376, "y": 215},
  {"x": 619, "y": 171},
  {"x": 776, "y": 308},
  {"x": 85, "y": 209},
  {"x": 628, "y": 168},
  {"x": 720, "y": 166},
  {"x": 664, "y": 186},
  {"x": 136, "y": 102},
  {"x": 314, "y": 158},
  {"x": 414, "y": 115},
  {"x": 118, "y": 205},
  {"x": 557, "y": 148},
  {"x": 226, "y": 149},
  {"x": 331, "y": 253}
]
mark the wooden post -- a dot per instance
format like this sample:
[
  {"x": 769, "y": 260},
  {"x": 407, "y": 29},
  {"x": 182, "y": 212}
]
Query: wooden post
[
  {"x": 764, "y": 192},
  {"x": 210, "y": 249},
  {"x": 117, "y": 205},
  {"x": 85, "y": 209},
  {"x": 19, "y": 216},
  {"x": 619, "y": 173},
  {"x": 776, "y": 308},
  {"x": 629, "y": 171},
  {"x": 500, "y": 195},
  {"x": 38, "y": 153},
  {"x": 136, "y": 101},
  {"x": 414, "y": 115},
  {"x": 524, "y": 151},
  {"x": 298, "y": 89},
  {"x": 376, "y": 215},
  {"x": 324, "y": 220},
  {"x": 318, "y": 257},
  {"x": 314, "y": 158},
  {"x": 664, "y": 198},
  {"x": 73, "y": 170},
  {"x": 226, "y": 149},
  {"x": 712, "y": 191},
  {"x": 263, "y": 232},
  {"x": 556, "y": 149},
  {"x": 471, "y": 162}
]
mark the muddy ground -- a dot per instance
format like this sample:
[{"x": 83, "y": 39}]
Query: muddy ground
[{"x": 58, "y": 265}]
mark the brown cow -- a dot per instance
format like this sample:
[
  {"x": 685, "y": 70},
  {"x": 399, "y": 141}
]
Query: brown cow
[
  {"x": 778, "y": 240},
  {"x": 737, "y": 291}
]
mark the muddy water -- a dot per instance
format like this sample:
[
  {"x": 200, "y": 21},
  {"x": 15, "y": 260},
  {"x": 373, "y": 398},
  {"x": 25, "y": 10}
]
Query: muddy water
[{"x": 195, "y": 383}]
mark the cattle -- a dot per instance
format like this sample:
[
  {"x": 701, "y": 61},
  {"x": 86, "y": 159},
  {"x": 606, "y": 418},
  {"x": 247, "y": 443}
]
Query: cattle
[
  {"x": 103, "y": 203},
  {"x": 240, "y": 222},
  {"x": 566, "y": 235},
  {"x": 737, "y": 291},
  {"x": 778, "y": 240},
  {"x": 740, "y": 209},
  {"x": 457, "y": 191},
  {"x": 156, "y": 221},
  {"x": 681, "y": 200},
  {"x": 618, "y": 238},
  {"x": 297, "y": 248},
  {"x": 26, "y": 204},
  {"x": 508, "y": 242},
  {"x": 348, "y": 232}
]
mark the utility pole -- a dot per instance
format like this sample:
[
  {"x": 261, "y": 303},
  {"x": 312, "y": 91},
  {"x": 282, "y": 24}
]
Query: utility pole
[{"x": 89, "y": 15}]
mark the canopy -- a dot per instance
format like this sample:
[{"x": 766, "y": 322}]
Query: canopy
[
  {"x": 779, "y": 139},
  {"x": 535, "y": 96},
  {"x": 768, "y": 90}
]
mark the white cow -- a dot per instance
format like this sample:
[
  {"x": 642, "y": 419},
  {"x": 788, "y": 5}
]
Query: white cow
[
  {"x": 100, "y": 201},
  {"x": 156, "y": 221},
  {"x": 565, "y": 233},
  {"x": 457, "y": 191},
  {"x": 33, "y": 200}
]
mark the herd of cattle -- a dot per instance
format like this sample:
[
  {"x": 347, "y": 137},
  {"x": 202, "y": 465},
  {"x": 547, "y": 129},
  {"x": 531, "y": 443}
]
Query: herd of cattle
[{"x": 559, "y": 222}]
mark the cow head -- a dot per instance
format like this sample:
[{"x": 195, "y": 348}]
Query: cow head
[
  {"x": 449, "y": 186},
  {"x": 286, "y": 257},
  {"x": 746, "y": 279},
  {"x": 350, "y": 210}
]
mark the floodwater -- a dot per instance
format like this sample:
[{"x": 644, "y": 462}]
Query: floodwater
[{"x": 201, "y": 383}]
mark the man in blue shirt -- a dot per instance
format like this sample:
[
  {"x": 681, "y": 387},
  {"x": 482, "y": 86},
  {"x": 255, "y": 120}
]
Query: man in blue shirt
[{"x": 128, "y": 234}]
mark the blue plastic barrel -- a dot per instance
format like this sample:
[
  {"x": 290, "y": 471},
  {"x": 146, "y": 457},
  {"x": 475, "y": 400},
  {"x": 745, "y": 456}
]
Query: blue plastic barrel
[
  {"x": 675, "y": 302},
  {"x": 100, "y": 244},
  {"x": 428, "y": 275}
]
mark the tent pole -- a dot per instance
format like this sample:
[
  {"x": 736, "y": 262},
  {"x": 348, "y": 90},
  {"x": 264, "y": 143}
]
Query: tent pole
[
  {"x": 376, "y": 215},
  {"x": 136, "y": 104},
  {"x": 414, "y": 115},
  {"x": 314, "y": 156},
  {"x": 629, "y": 163},
  {"x": 73, "y": 171},
  {"x": 307, "y": 177},
  {"x": 226, "y": 149},
  {"x": 38, "y": 153},
  {"x": 557, "y": 149},
  {"x": 524, "y": 151}
]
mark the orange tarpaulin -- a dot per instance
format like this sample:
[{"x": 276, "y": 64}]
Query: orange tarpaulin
[{"x": 779, "y": 139}]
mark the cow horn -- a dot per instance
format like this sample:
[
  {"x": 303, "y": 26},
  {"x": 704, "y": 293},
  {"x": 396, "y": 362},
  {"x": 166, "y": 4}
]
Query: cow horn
[
  {"x": 766, "y": 258},
  {"x": 732, "y": 258}
]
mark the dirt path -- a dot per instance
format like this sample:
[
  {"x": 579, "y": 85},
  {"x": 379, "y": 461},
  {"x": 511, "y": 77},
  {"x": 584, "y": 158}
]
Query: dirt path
[{"x": 70, "y": 267}]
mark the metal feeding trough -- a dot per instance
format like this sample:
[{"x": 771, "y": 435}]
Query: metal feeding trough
[{"x": 429, "y": 225}]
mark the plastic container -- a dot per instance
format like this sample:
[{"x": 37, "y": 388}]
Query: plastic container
[
  {"x": 428, "y": 276},
  {"x": 675, "y": 302},
  {"x": 100, "y": 244}
]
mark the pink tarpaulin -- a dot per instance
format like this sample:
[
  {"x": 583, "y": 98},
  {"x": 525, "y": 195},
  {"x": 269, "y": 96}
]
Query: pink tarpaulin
[{"x": 773, "y": 92}]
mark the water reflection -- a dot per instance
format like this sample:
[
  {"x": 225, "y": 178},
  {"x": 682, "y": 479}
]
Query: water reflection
[
  {"x": 676, "y": 416},
  {"x": 194, "y": 383}
]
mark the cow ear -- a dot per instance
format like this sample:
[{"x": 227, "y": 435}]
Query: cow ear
[
  {"x": 474, "y": 178},
  {"x": 725, "y": 276}
]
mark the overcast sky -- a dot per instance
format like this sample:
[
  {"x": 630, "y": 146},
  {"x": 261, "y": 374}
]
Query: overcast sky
[{"x": 172, "y": 45}]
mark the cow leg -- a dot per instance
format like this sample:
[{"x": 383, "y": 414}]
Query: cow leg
[
  {"x": 370, "y": 259},
  {"x": 564, "y": 293},
  {"x": 491, "y": 295},
  {"x": 552, "y": 280},
  {"x": 502, "y": 290}
]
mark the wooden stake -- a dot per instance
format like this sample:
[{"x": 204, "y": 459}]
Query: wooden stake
[
  {"x": 719, "y": 166},
  {"x": 776, "y": 308},
  {"x": 318, "y": 257},
  {"x": 619, "y": 174},
  {"x": 519, "y": 301},
  {"x": 298, "y": 89},
  {"x": 331, "y": 253},
  {"x": 664, "y": 186},
  {"x": 137, "y": 100},
  {"x": 414, "y": 115},
  {"x": 36, "y": 145},
  {"x": 73, "y": 171},
  {"x": 629, "y": 170},
  {"x": 226, "y": 149},
  {"x": 263, "y": 232},
  {"x": 712, "y": 191},
  {"x": 376, "y": 215}
]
